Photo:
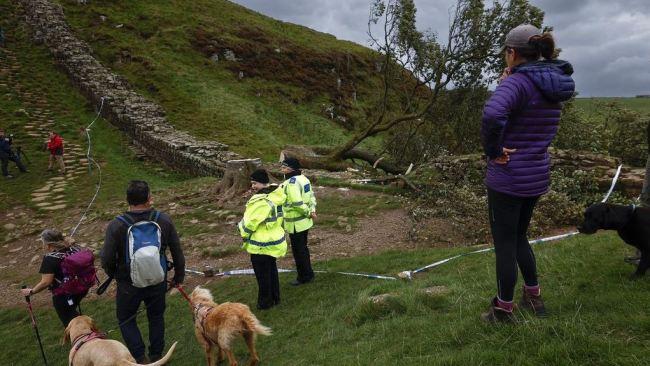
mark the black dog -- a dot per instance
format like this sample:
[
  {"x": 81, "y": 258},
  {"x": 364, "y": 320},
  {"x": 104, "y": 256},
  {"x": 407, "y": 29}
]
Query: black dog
[{"x": 631, "y": 222}]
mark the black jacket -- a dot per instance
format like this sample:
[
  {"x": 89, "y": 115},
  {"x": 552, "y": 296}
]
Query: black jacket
[{"x": 113, "y": 254}]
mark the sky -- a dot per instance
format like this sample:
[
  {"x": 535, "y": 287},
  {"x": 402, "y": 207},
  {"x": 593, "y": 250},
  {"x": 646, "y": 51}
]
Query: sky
[{"x": 607, "y": 41}]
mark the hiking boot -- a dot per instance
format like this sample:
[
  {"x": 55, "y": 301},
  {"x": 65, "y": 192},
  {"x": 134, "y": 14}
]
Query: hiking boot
[
  {"x": 533, "y": 303},
  {"x": 496, "y": 314}
]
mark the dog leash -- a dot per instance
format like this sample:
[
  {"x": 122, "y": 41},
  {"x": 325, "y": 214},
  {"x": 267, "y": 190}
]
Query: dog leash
[{"x": 180, "y": 289}]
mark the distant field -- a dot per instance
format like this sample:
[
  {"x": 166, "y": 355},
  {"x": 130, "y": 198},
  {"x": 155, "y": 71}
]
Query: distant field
[{"x": 641, "y": 105}]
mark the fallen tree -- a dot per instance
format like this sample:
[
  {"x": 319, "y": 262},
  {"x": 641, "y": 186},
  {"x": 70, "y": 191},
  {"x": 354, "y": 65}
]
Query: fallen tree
[
  {"x": 320, "y": 158},
  {"x": 416, "y": 68}
]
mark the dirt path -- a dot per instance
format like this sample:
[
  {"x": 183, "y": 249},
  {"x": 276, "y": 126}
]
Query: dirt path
[{"x": 21, "y": 254}]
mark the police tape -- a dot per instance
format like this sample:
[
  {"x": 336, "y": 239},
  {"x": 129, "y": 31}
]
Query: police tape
[
  {"x": 409, "y": 274},
  {"x": 611, "y": 188},
  {"x": 250, "y": 271}
]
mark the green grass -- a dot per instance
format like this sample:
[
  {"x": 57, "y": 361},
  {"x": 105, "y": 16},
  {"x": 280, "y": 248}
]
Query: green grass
[
  {"x": 343, "y": 213},
  {"x": 592, "y": 105},
  {"x": 155, "y": 49},
  {"x": 597, "y": 315}
]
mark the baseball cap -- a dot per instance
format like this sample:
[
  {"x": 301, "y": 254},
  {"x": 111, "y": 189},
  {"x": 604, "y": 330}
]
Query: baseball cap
[{"x": 519, "y": 36}]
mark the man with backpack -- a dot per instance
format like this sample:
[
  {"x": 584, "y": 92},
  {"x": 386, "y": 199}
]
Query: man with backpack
[
  {"x": 68, "y": 271},
  {"x": 134, "y": 255}
]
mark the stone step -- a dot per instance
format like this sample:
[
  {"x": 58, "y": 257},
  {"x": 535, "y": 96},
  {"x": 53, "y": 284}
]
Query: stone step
[
  {"x": 40, "y": 199},
  {"x": 55, "y": 208}
]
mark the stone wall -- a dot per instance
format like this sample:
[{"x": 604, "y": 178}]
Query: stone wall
[{"x": 141, "y": 119}]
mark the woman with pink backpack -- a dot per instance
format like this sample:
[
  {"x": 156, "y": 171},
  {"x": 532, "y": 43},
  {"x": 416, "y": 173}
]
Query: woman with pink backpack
[{"x": 68, "y": 271}]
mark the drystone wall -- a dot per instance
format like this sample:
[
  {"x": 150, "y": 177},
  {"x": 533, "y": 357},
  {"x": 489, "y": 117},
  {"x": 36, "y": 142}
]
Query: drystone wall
[{"x": 142, "y": 120}]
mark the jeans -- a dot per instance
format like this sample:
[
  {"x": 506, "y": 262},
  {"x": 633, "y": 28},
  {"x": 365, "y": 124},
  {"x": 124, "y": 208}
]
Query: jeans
[
  {"x": 127, "y": 302},
  {"x": 6, "y": 158}
]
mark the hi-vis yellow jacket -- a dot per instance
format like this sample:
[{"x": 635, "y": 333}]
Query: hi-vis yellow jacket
[
  {"x": 261, "y": 227},
  {"x": 299, "y": 205}
]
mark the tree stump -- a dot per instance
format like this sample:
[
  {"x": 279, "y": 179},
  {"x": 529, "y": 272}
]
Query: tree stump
[{"x": 236, "y": 179}]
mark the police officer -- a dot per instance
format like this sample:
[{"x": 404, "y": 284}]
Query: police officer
[
  {"x": 299, "y": 212},
  {"x": 6, "y": 155},
  {"x": 263, "y": 235}
]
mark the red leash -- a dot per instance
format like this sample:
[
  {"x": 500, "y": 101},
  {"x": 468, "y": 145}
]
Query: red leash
[{"x": 180, "y": 289}]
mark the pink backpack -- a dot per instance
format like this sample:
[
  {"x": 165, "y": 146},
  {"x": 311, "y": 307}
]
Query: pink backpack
[{"x": 79, "y": 274}]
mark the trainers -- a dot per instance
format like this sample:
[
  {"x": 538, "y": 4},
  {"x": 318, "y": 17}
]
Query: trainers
[
  {"x": 9, "y": 176},
  {"x": 498, "y": 315},
  {"x": 533, "y": 303}
]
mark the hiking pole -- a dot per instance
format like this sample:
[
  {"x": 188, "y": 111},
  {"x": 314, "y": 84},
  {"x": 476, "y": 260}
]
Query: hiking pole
[{"x": 38, "y": 336}]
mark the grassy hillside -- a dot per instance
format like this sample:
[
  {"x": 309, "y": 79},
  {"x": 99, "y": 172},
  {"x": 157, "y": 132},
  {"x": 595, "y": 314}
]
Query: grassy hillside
[
  {"x": 35, "y": 84},
  {"x": 597, "y": 315},
  {"x": 227, "y": 73}
]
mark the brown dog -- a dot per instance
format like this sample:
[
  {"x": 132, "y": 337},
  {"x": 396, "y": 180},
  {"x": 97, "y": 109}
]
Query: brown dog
[
  {"x": 90, "y": 349},
  {"x": 217, "y": 325}
]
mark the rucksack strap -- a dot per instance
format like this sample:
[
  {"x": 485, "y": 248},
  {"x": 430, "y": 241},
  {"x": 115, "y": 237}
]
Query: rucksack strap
[
  {"x": 154, "y": 216},
  {"x": 127, "y": 219}
]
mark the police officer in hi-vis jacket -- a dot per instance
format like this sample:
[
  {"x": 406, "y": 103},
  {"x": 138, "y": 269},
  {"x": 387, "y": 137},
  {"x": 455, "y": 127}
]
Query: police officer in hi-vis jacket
[
  {"x": 263, "y": 235},
  {"x": 299, "y": 212}
]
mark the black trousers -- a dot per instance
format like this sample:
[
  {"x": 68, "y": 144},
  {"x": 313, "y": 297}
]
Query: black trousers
[
  {"x": 509, "y": 220},
  {"x": 6, "y": 158},
  {"x": 127, "y": 302},
  {"x": 67, "y": 307},
  {"x": 300, "y": 253},
  {"x": 268, "y": 283}
]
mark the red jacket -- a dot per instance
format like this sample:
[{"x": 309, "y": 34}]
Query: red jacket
[{"x": 54, "y": 143}]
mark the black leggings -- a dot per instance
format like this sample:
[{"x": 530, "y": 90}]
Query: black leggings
[
  {"x": 509, "y": 220},
  {"x": 64, "y": 310}
]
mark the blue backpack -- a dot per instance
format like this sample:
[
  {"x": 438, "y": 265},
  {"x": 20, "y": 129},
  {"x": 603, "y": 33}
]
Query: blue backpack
[{"x": 144, "y": 252}]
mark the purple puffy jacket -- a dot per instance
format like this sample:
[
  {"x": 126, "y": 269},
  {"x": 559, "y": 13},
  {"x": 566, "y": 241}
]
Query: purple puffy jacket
[{"x": 523, "y": 113}]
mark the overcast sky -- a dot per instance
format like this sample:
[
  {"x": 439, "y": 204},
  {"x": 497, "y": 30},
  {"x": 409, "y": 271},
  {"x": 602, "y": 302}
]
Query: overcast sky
[{"x": 608, "y": 41}]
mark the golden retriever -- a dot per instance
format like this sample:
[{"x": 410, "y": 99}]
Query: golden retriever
[
  {"x": 100, "y": 352},
  {"x": 216, "y": 325}
]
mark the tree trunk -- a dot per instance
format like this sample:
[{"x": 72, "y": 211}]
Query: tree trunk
[
  {"x": 313, "y": 158},
  {"x": 321, "y": 158},
  {"x": 236, "y": 179}
]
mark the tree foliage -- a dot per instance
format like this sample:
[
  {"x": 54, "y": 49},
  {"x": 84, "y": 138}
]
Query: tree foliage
[{"x": 417, "y": 67}]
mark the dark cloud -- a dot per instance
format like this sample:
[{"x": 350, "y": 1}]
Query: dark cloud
[{"x": 606, "y": 40}]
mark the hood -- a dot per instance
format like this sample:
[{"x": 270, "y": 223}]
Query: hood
[
  {"x": 272, "y": 193},
  {"x": 551, "y": 77}
]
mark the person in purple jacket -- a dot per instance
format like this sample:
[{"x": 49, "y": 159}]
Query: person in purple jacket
[{"x": 520, "y": 121}]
